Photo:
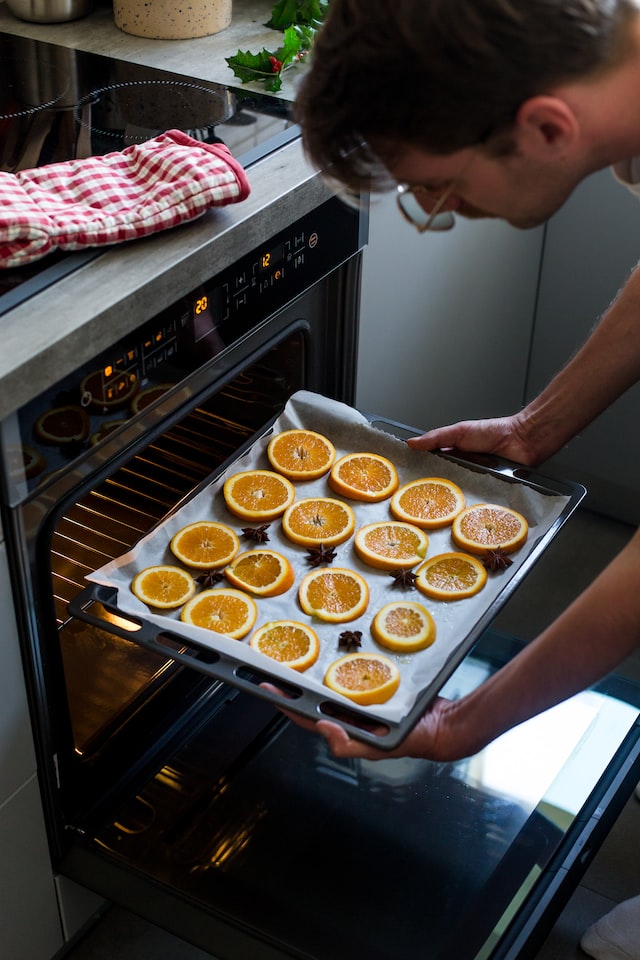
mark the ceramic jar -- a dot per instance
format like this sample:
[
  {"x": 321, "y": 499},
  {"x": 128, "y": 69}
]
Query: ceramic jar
[{"x": 171, "y": 20}]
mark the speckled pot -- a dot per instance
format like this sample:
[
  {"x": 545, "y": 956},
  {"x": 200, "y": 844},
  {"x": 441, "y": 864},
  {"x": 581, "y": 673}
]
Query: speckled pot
[{"x": 171, "y": 20}]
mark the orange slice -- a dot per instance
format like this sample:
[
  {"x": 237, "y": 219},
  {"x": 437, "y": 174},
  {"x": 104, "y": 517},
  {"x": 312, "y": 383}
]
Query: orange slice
[
  {"x": 24, "y": 460},
  {"x": 263, "y": 572},
  {"x": 429, "y": 502},
  {"x": 318, "y": 520},
  {"x": 223, "y": 610},
  {"x": 391, "y": 545},
  {"x": 404, "y": 626},
  {"x": 451, "y": 576},
  {"x": 63, "y": 425},
  {"x": 364, "y": 476},
  {"x": 258, "y": 494},
  {"x": 163, "y": 586},
  {"x": 289, "y": 642},
  {"x": 365, "y": 678},
  {"x": 301, "y": 454},
  {"x": 487, "y": 526},
  {"x": 205, "y": 545},
  {"x": 335, "y": 595},
  {"x": 148, "y": 396}
]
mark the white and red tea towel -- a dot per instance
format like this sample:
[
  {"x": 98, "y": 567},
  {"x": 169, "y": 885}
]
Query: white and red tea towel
[{"x": 120, "y": 196}]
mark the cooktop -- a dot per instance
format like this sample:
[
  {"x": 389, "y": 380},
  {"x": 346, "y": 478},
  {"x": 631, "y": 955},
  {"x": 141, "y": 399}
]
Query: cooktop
[{"x": 59, "y": 104}]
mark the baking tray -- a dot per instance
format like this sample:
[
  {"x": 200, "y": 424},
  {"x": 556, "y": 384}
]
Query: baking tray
[{"x": 546, "y": 503}]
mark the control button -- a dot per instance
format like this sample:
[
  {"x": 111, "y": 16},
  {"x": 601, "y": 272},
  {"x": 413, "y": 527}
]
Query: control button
[{"x": 313, "y": 240}]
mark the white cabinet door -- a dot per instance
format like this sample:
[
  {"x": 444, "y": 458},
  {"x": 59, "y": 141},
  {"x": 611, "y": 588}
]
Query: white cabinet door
[
  {"x": 446, "y": 319},
  {"x": 17, "y": 759},
  {"x": 29, "y": 919},
  {"x": 591, "y": 246}
]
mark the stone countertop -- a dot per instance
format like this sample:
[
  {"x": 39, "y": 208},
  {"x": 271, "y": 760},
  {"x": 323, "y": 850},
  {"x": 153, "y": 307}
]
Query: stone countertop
[
  {"x": 62, "y": 327},
  {"x": 203, "y": 57}
]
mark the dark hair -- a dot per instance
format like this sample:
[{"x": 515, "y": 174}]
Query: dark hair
[{"x": 440, "y": 74}]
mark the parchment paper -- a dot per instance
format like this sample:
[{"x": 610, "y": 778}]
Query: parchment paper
[{"x": 350, "y": 432}]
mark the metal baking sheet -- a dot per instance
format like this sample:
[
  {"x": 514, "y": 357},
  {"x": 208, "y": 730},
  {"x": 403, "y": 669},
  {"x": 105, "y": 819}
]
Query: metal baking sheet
[{"x": 544, "y": 502}]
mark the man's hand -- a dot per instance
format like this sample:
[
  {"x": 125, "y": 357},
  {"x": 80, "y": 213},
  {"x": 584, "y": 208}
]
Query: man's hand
[
  {"x": 503, "y": 436},
  {"x": 433, "y": 737}
]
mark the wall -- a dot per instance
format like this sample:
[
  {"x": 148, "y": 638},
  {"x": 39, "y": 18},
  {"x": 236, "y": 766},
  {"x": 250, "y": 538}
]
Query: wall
[
  {"x": 446, "y": 318},
  {"x": 591, "y": 246}
]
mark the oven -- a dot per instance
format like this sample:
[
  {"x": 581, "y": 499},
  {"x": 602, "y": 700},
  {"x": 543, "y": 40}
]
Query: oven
[{"x": 195, "y": 803}]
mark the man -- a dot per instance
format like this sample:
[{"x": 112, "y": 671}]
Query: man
[{"x": 499, "y": 108}]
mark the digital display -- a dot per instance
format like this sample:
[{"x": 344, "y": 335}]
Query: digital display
[{"x": 269, "y": 258}]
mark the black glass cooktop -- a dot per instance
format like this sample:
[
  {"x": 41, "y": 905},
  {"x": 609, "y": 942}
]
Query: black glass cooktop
[{"x": 59, "y": 104}]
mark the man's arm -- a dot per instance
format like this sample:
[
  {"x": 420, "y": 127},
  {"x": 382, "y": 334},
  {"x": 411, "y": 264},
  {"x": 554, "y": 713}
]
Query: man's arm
[
  {"x": 595, "y": 634},
  {"x": 601, "y": 371}
]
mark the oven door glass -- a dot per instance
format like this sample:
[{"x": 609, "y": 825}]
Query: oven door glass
[{"x": 312, "y": 857}]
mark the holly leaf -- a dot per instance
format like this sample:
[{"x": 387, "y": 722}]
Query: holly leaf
[
  {"x": 251, "y": 67},
  {"x": 288, "y": 12},
  {"x": 300, "y": 20}
]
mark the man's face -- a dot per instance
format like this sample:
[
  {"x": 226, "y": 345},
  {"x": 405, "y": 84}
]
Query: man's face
[{"x": 521, "y": 191}]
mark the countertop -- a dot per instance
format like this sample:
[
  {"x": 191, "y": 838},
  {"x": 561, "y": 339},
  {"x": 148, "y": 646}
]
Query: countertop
[{"x": 58, "y": 329}]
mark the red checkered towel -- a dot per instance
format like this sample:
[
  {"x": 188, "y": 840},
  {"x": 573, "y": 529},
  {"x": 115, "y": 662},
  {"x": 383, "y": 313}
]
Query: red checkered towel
[{"x": 119, "y": 196}]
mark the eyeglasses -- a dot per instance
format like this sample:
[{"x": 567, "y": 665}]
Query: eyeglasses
[
  {"x": 412, "y": 203},
  {"x": 412, "y": 209}
]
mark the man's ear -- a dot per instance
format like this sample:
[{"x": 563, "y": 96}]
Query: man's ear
[{"x": 546, "y": 124}]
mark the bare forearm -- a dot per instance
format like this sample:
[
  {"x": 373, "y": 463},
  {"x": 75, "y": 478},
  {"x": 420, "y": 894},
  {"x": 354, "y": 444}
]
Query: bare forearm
[
  {"x": 601, "y": 371},
  {"x": 598, "y": 631}
]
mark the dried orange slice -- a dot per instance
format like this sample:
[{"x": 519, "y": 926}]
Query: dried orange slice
[
  {"x": 364, "y": 476},
  {"x": 24, "y": 461},
  {"x": 404, "y": 626},
  {"x": 365, "y": 678},
  {"x": 451, "y": 576},
  {"x": 225, "y": 610},
  {"x": 205, "y": 545},
  {"x": 335, "y": 595},
  {"x": 258, "y": 494},
  {"x": 301, "y": 454},
  {"x": 429, "y": 502},
  {"x": 163, "y": 586},
  {"x": 263, "y": 572},
  {"x": 63, "y": 425},
  {"x": 148, "y": 396},
  {"x": 289, "y": 642},
  {"x": 486, "y": 526},
  {"x": 391, "y": 545},
  {"x": 318, "y": 520}
]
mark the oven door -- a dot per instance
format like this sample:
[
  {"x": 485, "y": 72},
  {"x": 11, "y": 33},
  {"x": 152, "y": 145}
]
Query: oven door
[{"x": 252, "y": 840}]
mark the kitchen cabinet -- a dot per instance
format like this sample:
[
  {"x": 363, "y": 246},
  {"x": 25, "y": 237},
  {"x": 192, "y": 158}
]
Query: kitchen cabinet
[
  {"x": 446, "y": 318},
  {"x": 591, "y": 245},
  {"x": 29, "y": 920}
]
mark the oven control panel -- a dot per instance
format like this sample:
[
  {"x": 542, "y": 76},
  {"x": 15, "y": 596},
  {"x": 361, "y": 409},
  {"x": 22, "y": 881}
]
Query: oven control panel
[{"x": 275, "y": 273}]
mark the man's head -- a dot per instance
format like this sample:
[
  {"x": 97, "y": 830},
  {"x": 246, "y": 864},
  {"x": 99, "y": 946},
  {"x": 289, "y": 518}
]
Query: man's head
[{"x": 443, "y": 77}]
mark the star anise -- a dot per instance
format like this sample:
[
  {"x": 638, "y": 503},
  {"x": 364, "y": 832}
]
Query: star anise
[
  {"x": 350, "y": 639},
  {"x": 259, "y": 534},
  {"x": 403, "y": 578},
  {"x": 320, "y": 554},
  {"x": 210, "y": 578},
  {"x": 496, "y": 560}
]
